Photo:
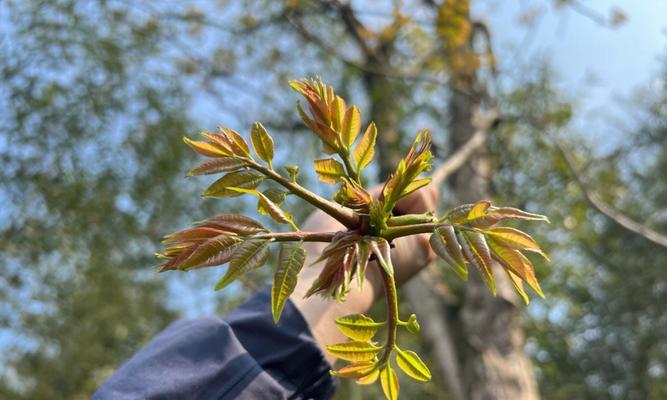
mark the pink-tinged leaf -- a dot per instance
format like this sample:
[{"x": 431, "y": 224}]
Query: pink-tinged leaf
[
  {"x": 250, "y": 255},
  {"x": 356, "y": 370},
  {"x": 217, "y": 165},
  {"x": 193, "y": 235},
  {"x": 238, "y": 224},
  {"x": 221, "y": 140},
  {"x": 478, "y": 255},
  {"x": 512, "y": 260},
  {"x": 306, "y": 120},
  {"x": 362, "y": 263},
  {"x": 329, "y": 170},
  {"x": 210, "y": 249},
  {"x": 364, "y": 151},
  {"x": 351, "y": 126},
  {"x": 246, "y": 179},
  {"x": 382, "y": 251},
  {"x": 207, "y": 149},
  {"x": 516, "y": 239},
  {"x": 496, "y": 214},
  {"x": 439, "y": 246},
  {"x": 449, "y": 236}
]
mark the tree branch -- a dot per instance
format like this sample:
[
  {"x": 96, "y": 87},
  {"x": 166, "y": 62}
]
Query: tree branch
[
  {"x": 463, "y": 153},
  {"x": 596, "y": 202}
]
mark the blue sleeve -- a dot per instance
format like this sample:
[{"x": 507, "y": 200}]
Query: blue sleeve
[{"x": 244, "y": 356}]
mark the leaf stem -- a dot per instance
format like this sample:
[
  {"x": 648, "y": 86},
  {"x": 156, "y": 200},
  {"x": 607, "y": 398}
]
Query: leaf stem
[
  {"x": 392, "y": 313},
  {"x": 342, "y": 214},
  {"x": 393, "y": 232},
  {"x": 297, "y": 236}
]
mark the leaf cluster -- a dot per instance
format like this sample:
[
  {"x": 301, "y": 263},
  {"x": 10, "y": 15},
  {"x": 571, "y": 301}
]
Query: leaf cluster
[{"x": 467, "y": 236}]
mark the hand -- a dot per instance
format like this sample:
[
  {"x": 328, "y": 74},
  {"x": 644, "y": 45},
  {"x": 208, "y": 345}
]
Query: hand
[{"x": 409, "y": 256}]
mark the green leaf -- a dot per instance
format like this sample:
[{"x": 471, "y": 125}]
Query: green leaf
[
  {"x": 329, "y": 170},
  {"x": 354, "y": 351},
  {"x": 410, "y": 363},
  {"x": 415, "y": 185},
  {"x": 441, "y": 247},
  {"x": 250, "y": 255},
  {"x": 351, "y": 126},
  {"x": 245, "y": 179},
  {"x": 477, "y": 252},
  {"x": 358, "y": 326},
  {"x": 389, "y": 382},
  {"x": 365, "y": 150},
  {"x": 412, "y": 325},
  {"x": 218, "y": 249},
  {"x": 237, "y": 142},
  {"x": 262, "y": 143},
  {"x": 277, "y": 213},
  {"x": 217, "y": 165},
  {"x": 293, "y": 171},
  {"x": 275, "y": 195},
  {"x": 381, "y": 249},
  {"x": 290, "y": 262},
  {"x": 337, "y": 113}
]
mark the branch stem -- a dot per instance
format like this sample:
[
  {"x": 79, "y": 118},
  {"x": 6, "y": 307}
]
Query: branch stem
[
  {"x": 393, "y": 232},
  {"x": 342, "y": 214},
  {"x": 392, "y": 313}
]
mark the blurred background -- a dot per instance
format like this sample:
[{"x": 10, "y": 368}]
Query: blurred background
[{"x": 95, "y": 96}]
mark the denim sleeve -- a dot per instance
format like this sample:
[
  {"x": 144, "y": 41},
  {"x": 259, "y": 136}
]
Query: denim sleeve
[{"x": 243, "y": 356}]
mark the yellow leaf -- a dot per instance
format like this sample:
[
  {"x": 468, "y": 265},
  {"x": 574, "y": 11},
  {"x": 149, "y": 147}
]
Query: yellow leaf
[
  {"x": 237, "y": 142},
  {"x": 262, "y": 143},
  {"x": 476, "y": 251},
  {"x": 512, "y": 260},
  {"x": 389, "y": 382},
  {"x": 358, "y": 326},
  {"x": 337, "y": 113},
  {"x": 415, "y": 185},
  {"x": 208, "y": 149},
  {"x": 441, "y": 247},
  {"x": 412, "y": 365},
  {"x": 354, "y": 351},
  {"x": 515, "y": 239},
  {"x": 356, "y": 370},
  {"x": 245, "y": 179},
  {"x": 329, "y": 170},
  {"x": 369, "y": 379},
  {"x": 351, "y": 126},
  {"x": 365, "y": 150},
  {"x": 478, "y": 210}
]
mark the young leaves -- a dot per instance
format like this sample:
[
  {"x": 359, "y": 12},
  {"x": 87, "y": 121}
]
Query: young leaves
[
  {"x": 329, "y": 170},
  {"x": 444, "y": 244},
  {"x": 262, "y": 143},
  {"x": 365, "y": 150},
  {"x": 358, "y": 326},
  {"x": 354, "y": 351},
  {"x": 389, "y": 382},
  {"x": 410, "y": 363},
  {"x": 290, "y": 262},
  {"x": 252, "y": 254}
]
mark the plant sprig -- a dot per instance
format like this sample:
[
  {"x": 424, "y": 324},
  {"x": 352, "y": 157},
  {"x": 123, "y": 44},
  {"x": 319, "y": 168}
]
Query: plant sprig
[{"x": 467, "y": 236}]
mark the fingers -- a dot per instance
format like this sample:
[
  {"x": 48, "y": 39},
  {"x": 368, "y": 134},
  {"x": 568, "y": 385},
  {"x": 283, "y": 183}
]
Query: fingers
[{"x": 418, "y": 202}]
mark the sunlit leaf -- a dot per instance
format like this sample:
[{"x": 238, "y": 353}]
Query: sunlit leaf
[
  {"x": 293, "y": 171},
  {"x": 518, "y": 285},
  {"x": 413, "y": 326},
  {"x": 354, "y": 351},
  {"x": 371, "y": 378},
  {"x": 362, "y": 262},
  {"x": 515, "y": 239},
  {"x": 389, "y": 382},
  {"x": 329, "y": 170},
  {"x": 356, "y": 370},
  {"x": 238, "y": 143},
  {"x": 246, "y": 179},
  {"x": 262, "y": 142},
  {"x": 250, "y": 255},
  {"x": 358, "y": 326},
  {"x": 337, "y": 113},
  {"x": 217, "y": 165},
  {"x": 415, "y": 185},
  {"x": 410, "y": 363},
  {"x": 290, "y": 262},
  {"x": 478, "y": 210},
  {"x": 277, "y": 196},
  {"x": 512, "y": 260},
  {"x": 207, "y": 149},
  {"x": 364, "y": 151},
  {"x": 351, "y": 126}
]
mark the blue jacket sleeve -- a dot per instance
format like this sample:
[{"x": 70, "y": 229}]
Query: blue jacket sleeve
[{"x": 244, "y": 356}]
